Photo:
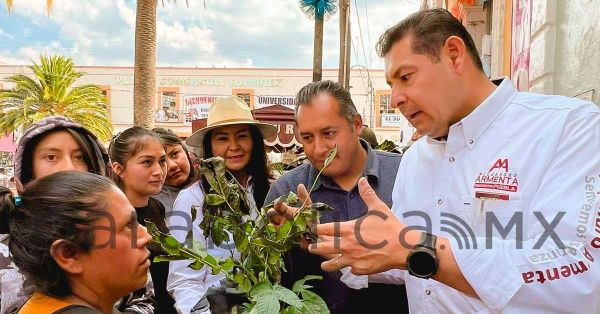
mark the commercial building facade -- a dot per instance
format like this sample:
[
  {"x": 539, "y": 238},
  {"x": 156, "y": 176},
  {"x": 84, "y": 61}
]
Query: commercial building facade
[{"x": 185, "y": 94}]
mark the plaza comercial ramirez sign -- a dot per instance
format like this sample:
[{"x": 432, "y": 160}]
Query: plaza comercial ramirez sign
[{"x": 207, "y": 81}]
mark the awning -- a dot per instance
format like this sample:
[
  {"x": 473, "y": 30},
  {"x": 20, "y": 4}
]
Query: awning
[{"x": 281, "y": 116}]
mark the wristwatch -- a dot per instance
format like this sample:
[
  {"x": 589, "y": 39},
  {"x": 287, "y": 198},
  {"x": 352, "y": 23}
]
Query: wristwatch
[{"x": 422, "y": 262}]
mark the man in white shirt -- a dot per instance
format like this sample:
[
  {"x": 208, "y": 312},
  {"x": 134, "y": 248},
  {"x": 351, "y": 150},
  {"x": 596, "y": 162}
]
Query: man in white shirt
[{"x": 497, "y": 207}]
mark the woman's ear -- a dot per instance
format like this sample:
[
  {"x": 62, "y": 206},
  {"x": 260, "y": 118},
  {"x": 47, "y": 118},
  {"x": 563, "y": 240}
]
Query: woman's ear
[
  {"x": 66, "y": 256},
  {"x": 117, "y": 168}
]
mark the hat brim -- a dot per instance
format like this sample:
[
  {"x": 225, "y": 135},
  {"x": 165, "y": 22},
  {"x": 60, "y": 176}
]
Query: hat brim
[{"x": 267, "y": 130}]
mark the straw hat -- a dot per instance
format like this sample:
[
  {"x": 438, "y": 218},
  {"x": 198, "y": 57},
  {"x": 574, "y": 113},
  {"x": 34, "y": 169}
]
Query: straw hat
[{"x": 229, "y": 111}]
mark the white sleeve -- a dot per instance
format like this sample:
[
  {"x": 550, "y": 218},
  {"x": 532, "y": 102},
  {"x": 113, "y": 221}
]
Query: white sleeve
[
  {"x": 187, "y": 286},
  {"x": 392, "y": 276},
  {"x": 506, "y": 275}
]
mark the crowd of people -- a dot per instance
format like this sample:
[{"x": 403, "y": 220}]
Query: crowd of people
[{"x": 73, "y": 236}]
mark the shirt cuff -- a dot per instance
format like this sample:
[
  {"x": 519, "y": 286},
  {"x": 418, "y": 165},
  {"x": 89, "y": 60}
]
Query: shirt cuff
[
  {"x": 354, "y": 281},
  {"x": 491, "y": 273}
]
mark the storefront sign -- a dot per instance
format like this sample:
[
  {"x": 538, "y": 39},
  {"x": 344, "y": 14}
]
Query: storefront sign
[
  {"x": 265, "y": 101},
  {"x": 197, "y": 107},
  {"x": 393, "y": 120}
]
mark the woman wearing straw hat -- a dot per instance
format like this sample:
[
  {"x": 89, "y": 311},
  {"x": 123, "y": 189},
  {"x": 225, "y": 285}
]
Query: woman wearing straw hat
[{"x": 231, "y": 133}]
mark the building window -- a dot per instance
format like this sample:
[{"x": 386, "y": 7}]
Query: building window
[
  {"x": 247, "y": 95},
  {"x": 168, "y": 105},
  {"x": 385, "y": 104},
  {"x": 385, "y": 114},
  {"x": 105, "y": 89}
]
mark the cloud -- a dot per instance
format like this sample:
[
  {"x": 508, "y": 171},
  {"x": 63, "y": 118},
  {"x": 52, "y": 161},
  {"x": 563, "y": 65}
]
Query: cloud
[
  {"x": 4, "y": 34},
  {"x": 251, "y": 33}
]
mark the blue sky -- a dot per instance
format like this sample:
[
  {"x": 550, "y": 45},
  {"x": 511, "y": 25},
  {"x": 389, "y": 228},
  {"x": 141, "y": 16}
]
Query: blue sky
[{"x": 230, "y": 33}]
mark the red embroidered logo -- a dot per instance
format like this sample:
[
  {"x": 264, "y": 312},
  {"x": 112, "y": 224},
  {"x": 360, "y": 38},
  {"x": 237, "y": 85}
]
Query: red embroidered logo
[
  {"x": 499, "y": 164},
  {"x": 500, "y": 179}
]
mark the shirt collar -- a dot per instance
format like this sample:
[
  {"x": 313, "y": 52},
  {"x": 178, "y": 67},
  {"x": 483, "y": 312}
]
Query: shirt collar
[
  {"x": 371, "y": 168},
  {"x": 482, "y": 117}
]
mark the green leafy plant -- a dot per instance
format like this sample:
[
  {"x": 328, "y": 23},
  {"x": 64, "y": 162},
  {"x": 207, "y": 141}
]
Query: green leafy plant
[
  {"x": 257, "y": 271},
  {"x": 387, "y": 146}
]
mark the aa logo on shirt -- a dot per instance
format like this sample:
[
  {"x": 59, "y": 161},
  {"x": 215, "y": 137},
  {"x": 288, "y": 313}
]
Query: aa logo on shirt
[{"x": 499, "y": 177}]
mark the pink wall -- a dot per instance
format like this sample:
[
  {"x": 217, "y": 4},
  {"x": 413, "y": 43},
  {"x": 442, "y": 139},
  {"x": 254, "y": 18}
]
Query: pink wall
[{"x": 6, "y": 143}]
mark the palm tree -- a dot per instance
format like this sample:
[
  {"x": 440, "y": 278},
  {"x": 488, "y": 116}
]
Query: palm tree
[
  {"x": 319, "y": 10},
  {"x": 49, "y": 93},
  {"x": 144, "y": 72},
  {"x": 9, "y": 4}
]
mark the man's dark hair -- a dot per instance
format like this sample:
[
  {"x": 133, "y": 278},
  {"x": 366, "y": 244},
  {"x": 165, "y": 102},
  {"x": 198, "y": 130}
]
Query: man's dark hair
[
  {"x": 63, "y": 205},
  {"x": 314, "y": 89},
  {"x": 428, "y": 31}
]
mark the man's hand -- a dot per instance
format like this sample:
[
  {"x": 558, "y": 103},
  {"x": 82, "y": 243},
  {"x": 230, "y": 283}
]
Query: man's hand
[
  {"x": 371, "y": 244},
  {"x": 281, "y": 212}
]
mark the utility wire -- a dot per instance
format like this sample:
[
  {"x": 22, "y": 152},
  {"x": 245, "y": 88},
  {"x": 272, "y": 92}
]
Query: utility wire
[
  {"x": 368, "y": 36},
  {"x": 362, "y": 40}
]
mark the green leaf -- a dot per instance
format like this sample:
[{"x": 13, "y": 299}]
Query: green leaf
[
  {"x": 313, "y": 303},
  {"x": 321, "y": 207},
  {"x": 274, "y": 258},
  {"x": 290, "y": 310},
  {"x": 271, "y": 228},
  {"x": 330, "y": 156},
  {"x": 168, "y": 258},
  {"x": 246, "y": 285},
  {"x": 194, "y": 210},
  {"x": 300, "y": 286},
  {"x": 241, "y": 241},
  {"x": 196, "y": 265},
  {"x": 284, "y": 230},
  {"x": 300, "y": 221},
  {"x": 267, "y": 304},
  {"x": 287, "y": 296},
  {"x": 214, "y": 199},
  {"x": 239, "y": 278},
  {"x": 226, "y": 264},
  {"x": 292, "y": 198},
  {"x": 260, "y": 288},
  {"x": 210, "y": 260}
]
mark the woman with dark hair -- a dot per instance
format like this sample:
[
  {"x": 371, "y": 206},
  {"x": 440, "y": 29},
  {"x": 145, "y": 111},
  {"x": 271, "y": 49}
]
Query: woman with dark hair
[
  {"x": 86, "y": 250},
  {"x": 180, "y": 169},
  {"x": 233, "y": 134},
  {"x": 139, "y": 168},
  {"x": 51, "y": 145}
]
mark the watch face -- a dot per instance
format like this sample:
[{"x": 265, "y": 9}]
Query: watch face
[{"x": 422, "y": 263}]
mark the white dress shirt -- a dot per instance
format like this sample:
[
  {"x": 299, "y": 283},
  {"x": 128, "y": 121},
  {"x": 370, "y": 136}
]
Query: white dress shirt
[
  {"x": 517, "y": 153},
  {"x": 186, "y": 285}
]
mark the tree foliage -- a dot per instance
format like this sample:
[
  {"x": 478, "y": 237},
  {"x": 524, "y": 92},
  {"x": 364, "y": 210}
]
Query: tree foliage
[{"x": 51, "y": 92}]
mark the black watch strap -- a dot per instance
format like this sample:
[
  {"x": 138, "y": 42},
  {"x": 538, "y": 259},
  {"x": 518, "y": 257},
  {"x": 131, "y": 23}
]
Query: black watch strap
[{"x": 428, "y": 240}]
